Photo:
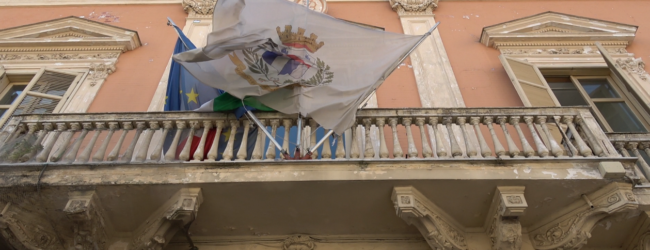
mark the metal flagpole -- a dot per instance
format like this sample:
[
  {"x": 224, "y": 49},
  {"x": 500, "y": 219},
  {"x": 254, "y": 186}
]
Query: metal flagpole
[
  {"x": 171, "y": 23},
  {"x": 322, "y": 140},
  {"x": 259, "y": 124}
]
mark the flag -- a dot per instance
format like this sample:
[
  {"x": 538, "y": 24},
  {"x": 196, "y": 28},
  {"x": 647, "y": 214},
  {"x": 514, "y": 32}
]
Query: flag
[
  {"x": 295, "y": 60},
  {"x": 184, "y": 92}
]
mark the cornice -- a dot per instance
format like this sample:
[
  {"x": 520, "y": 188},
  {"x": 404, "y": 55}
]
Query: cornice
[
  {"x": 557, "y": 29},
  {"x": 68, "y": 33}
]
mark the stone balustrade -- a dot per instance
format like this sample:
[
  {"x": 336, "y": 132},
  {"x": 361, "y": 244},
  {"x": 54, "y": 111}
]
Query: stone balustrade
[
  {"x": 446, "y": 133},
  {"x": 634, "y": 145}
]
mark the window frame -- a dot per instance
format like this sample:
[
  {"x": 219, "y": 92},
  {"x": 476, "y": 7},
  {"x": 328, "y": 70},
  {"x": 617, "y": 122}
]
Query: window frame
[
  {"x": 37, "y": 74},
  {"x": 576, "y": 75}
]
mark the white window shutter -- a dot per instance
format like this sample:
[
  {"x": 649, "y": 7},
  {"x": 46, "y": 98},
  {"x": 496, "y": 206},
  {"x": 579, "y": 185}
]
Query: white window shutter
[{"x": 529, "y": 83}]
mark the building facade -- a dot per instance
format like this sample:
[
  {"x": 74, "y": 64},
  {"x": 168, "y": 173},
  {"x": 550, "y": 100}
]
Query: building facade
[{"x": 516, "y": 125}]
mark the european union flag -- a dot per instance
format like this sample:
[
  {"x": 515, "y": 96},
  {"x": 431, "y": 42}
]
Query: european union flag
[{"x": 184, "y": 92}]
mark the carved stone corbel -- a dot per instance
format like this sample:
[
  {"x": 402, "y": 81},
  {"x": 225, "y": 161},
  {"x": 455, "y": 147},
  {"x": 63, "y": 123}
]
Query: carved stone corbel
[
  {"x": 414, "y": 7},
  {"x": 440, "y": 230},
  {"x": 298, "y": 242},
  {"x": 162, "y": 225},
  {"x": 502, "y": 223},
  {"x": 570, "y": 228},
  {"x": 91, "y": 229},
  {"x": 24, "y": 229},
  {"x": 640, "y": 238},
  {"x": 99, "y": 72},
  {"x": 633, "y": 66}
]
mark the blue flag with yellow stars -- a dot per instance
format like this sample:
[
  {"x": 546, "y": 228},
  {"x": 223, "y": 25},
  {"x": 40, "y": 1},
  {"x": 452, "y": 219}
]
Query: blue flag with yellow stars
[{"x": 184, "y": 92}]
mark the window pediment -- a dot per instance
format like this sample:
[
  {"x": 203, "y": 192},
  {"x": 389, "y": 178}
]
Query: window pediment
[
  {"x": 557, "y": 29},
  {"x": 72, "y": 32}
]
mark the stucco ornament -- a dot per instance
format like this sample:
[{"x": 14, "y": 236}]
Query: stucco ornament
[
  {"x": 633, "y": 66},
  {"x": 414, "y": 7},
  {"x": 201, "y": 7},
  {"x": 298, "y": 242},
  {"x": 99, "y": 72}
]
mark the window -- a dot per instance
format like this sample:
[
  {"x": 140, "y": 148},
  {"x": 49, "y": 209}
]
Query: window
[
  {"x": 612, "y": 104},
  {"x": 40, "y": 92}
]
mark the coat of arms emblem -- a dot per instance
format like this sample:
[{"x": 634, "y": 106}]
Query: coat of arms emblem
[{"x": 292, "y": 62}]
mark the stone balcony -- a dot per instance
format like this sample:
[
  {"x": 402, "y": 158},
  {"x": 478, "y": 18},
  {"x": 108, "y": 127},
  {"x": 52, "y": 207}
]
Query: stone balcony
[
  {"x": 431, "y": 140},
  {"x": 458, "y": 167}
]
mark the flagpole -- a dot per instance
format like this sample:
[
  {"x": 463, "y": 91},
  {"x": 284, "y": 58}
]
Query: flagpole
[
  {"x": 171, "y": 23},
  {"x": 402, "y": 59}
]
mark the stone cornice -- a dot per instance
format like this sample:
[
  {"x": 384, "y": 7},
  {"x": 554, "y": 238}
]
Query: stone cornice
[
  {"x": 557, "y": 29},
  {"x": 72, "y": 33}
]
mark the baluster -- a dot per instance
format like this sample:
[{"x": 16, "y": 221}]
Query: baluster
[
  {"x": 242, "y": 153},
  {"x": 185, "y": 152},
  {"x": 20, "y": 128},
  {"x": 228, "y": 153},
  {"x": 426, "y": 149},
  {"x": 383, "y": 149},
  {"x": 312, "y": 140},
  {"x": 528, "y": 150},
  {"x": 72, "y": 154},
  {"x": 327, "y": 151},
  {"x": 583, "y": 149},
  {"x": 259, "y": 143},
  {"x": 128, "y": 154},
  {"x": 485, "y": 150},
  {"x": 441, "y": 151},
  {"x": 170, "y": 155},
  {"x": 542, "y": 151},
  {"x": 555, "y": 147},
  {"x": 498, "y": 148},
  {"x": 141, "y": 156},
  {"x": 99, "y": 155},
  {"x": 58, "y": 154},
  {"x": 157, "y": 151},
  {"x": 397, "y": 148},
  {"x": 620, "y": 146},
  {"x": 340, "y": 150},
  {"x": 214, "y": 149},
  {"x": 200, "y": 150},
  {"x": 22, "y": 144},
  {"x": 471, "y": 151},
  {"x": 513, "y": 150},
  {"x": 37, "y": 144},
  {"x": 456, "y": 152},
  {"x": 411, "y": 149},
  {"x": 112, "y": 156},
  {"x": 354, "y": 150},
  {"x": 60, "y": 127},
  {"x": 287, "y": 128},
  {"x": 270, "y": 151},
  {"x": 85, "y": 155},
  {"x": 593, "y": 142},
  {"x": 369, "y": 151},
  {"x": 644, "y": 165}
]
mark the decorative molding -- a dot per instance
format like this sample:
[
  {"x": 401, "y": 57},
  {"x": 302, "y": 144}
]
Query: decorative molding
[
  {"x": 298, "y": 242},
  {"x": 557, "y": 29},
  {"x": 24, "y": 229},
  {"x": 57, "y": 56},
  {"x": 414, "y": 7},
  {"x": 156, "y": 232},
  {"x": 87, "y": 34},
  {"x": 502, "y": 223},
  {"x": 99, "y": 72},
  {"x": 439, "y": 229},
  {"x": 201, "y": 7},
  {"x": 570, "y": 228},
  {"x": 90, "y": 225},
  {"x": 633, "y": 66},
  {"x": 562, "y": 51}
]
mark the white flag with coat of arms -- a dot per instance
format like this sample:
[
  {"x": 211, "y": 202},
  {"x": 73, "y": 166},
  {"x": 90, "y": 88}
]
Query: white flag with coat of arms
[{"x": 295, "y": 60}]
